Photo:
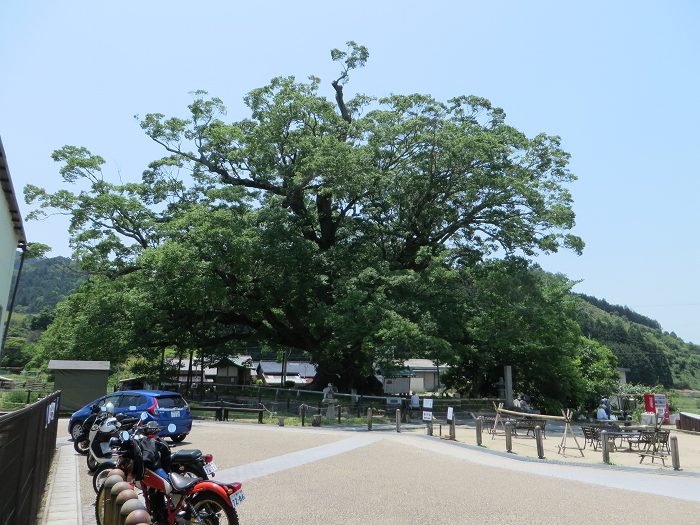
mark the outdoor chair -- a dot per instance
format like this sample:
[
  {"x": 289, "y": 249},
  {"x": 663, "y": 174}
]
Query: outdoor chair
[
  {"x": 663, "y": 440},
  {"x": 647, "y": 439},
  {"x": 591, "y": 435}
]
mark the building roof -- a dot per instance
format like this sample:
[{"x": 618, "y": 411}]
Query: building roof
[
  {"x": 58, "y": 364},
  {"x": 239, "y": 361},
  {"x": 277, "y": 379},
  {"x": 422, "y": 364},
  {"x": 300, "y": 368},
  {"x": 8, "y": 190}
]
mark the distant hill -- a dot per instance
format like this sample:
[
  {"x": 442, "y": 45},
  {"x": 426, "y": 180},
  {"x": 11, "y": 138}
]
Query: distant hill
[
  {"x": 622, "y": 311},
  {"x": 45, "y": 282},
  {"x": 652, "y": 355}
]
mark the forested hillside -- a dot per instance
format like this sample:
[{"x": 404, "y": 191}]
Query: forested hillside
[
  {"x": 44, "y": 282},
  {"x": 652, "y": 355}
]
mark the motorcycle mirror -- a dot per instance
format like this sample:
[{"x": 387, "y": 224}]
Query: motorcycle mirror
[
  {"x": 143, "y": 416},
  {"x": 171, "y": 428},
  {"x": 124, "y": 435}
]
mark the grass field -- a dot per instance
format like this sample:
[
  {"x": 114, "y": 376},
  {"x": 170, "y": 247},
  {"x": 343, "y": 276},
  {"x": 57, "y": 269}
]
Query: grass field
[{"x": 686, "y": 401}]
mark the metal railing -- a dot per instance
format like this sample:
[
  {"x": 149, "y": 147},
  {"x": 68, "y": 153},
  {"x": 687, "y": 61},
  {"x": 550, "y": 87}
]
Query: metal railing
[{"x": 27, "y": 445}]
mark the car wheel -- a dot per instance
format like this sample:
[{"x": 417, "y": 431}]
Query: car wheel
[
  {"x": 178, "y": 438},
  {"x": 76, "y": 431}
]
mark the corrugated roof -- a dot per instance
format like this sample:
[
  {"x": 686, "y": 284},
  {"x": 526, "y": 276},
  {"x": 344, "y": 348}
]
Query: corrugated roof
[
  {"x": 8, "y": 190},
  {"x": 422, "y": 364},
  {"x": 241, "y": 361},
  {"x": 58, "y": 364},
  {"x": 304, "y": 369}
]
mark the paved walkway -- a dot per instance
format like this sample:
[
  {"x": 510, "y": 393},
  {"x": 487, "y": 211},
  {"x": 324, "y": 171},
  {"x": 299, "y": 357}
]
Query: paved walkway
[{"x": 63, "y": 506}]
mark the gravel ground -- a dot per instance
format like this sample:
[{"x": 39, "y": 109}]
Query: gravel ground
[{"x": 411, "y": 478}]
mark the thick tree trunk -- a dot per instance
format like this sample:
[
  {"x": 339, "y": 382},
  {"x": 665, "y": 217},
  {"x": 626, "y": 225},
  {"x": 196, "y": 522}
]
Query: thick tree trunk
[{"x": 347, "y": 374}]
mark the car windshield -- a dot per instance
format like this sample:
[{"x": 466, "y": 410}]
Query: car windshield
[{"x": 171, "y": 402}]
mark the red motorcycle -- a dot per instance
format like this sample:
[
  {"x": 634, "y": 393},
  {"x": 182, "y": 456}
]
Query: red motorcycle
[{"x": 171, "y": 498}]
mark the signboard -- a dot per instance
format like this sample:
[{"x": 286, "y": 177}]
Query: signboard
[
  {"x": 427, "y": 409},
  {"x": 450, "y": 413},
  {"x": 649, "y": 403},
  {"x": 657, "y": 403},
  {"x": 661, "y": 402}
]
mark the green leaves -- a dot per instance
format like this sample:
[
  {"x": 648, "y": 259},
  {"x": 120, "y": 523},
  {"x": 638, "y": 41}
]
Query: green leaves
[
  {"x": 357, "y": 231},
  {"x": 355, "y": 56}
]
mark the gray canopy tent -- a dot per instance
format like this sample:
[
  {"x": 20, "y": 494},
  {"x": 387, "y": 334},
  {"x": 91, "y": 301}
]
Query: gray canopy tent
[{"x": 79, "y": 381}]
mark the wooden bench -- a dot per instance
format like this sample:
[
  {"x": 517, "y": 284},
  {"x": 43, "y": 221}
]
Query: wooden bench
[
  {"x": 529, "y": 425},
  {"x": 221, "y": 412}
]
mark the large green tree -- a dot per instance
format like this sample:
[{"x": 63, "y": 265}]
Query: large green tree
[
  {"x": 525, "y": 317},
  {"x": 340, "y": 227}
]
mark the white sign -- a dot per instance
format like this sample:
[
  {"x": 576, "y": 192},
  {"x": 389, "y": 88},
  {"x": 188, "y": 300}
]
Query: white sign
[
  {"x": 428, "y": 403},
  {"x": 660, "y": 402},
  {"x": 450, "y": 413},
  {"x": 427, "y": 416},
  {"x": 51, "y": 411}
]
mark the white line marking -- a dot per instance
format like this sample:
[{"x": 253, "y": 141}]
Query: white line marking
[{"x": 269, "y": 466}]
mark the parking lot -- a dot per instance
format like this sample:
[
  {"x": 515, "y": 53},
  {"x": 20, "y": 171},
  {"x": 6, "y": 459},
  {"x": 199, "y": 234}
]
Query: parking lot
[{"x": 325, "y": 475}]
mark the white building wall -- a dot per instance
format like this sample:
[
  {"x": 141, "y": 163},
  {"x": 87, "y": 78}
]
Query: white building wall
[
  {"x": 8, "y": 252},
  {"x": 429, "y": 380}
]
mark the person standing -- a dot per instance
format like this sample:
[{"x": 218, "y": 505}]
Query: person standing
[{"x": 415, "y": 402}]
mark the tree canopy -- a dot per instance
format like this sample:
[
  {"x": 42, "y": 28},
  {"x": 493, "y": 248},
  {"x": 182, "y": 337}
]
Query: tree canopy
[{"x": 360, "y": 230}]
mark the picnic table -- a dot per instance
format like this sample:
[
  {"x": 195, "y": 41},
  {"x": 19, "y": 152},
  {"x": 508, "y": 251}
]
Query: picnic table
[
  {"x": 632, "y": 437},
  {"x": 649, "y": 441}
]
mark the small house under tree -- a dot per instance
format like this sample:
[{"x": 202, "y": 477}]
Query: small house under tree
[
  {"x": 234, "y": 370},
  {"x": 79, "y": 381}
]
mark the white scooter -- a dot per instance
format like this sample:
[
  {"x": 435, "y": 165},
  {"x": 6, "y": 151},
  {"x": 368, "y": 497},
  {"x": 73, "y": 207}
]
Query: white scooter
[{"x": 105, "y": 427}]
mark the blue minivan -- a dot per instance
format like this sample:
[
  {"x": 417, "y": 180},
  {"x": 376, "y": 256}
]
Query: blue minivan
[{"x": 160, "y": 406}]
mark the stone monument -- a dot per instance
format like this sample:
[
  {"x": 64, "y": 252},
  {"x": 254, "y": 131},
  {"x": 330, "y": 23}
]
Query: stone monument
[{"x": 330, "y": 401}]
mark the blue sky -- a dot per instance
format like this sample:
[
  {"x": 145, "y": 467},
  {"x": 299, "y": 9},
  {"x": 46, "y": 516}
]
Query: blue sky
[{"x": 618, "y": 81}]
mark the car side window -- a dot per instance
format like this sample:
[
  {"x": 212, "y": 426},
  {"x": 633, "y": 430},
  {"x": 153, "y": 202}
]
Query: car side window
[
  {"x": 132, "y": 400},
  {"x": 114, "y": 399},
  {"x": 127, "y": 401}
]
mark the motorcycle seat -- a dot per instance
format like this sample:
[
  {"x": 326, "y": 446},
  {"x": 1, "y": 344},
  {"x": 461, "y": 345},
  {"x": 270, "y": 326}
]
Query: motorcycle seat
[
  {"x": 187, "y": 455},
  {"x": 182, "y": 483}
]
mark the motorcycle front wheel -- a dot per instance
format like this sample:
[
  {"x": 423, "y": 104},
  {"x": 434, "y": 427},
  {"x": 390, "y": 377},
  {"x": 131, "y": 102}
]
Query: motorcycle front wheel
[
  {"x": 100, "y": 476},
  {"x": 213, "y": 510},
  {"x": 81, "y": 446}
]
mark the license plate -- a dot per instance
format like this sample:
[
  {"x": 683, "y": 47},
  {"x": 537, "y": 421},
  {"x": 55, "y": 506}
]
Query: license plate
[
  {"x": 210, "y": 468},
  {"x": 175, "y": 413},
  {"x": 237, "y": 498}
]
